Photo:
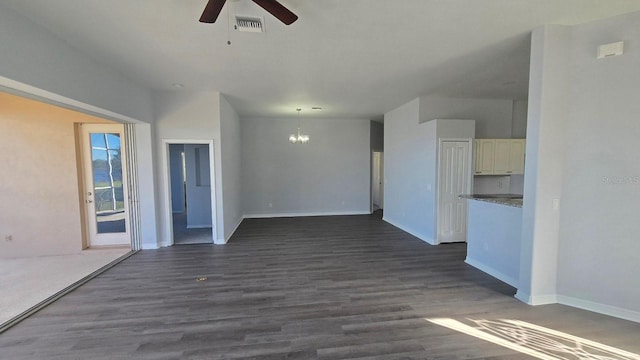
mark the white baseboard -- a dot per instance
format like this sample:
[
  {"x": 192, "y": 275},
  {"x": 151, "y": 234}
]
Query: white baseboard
[
  {"x": 614, "y": 311},
  {"x": 305, "y": 214},
  {"x": 536, "y": 300},
  {"x": 150, "y": 246},
  {"x": 493, "y": 272},
  {"x": 426, "y": 239},
  {"x": 204, "y": 226},
  {"x": 226, "y": 238}
]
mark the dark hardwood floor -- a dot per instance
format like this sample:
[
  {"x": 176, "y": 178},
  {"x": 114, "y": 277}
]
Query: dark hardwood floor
[{"x": 296, "y": 288}]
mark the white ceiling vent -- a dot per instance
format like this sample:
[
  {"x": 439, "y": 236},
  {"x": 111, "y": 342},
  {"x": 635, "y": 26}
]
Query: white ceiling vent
[{"x": 249, "y": 24}]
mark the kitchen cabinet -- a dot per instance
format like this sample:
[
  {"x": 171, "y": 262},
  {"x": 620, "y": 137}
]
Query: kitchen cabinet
[
  {"x": 484, "y": 156},
  {"x": 516, "y": 156},
  {"x": 499, "y": 156}
]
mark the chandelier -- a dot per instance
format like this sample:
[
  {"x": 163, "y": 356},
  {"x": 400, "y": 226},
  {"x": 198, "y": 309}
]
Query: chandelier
[{"x": 299, "y": 138}]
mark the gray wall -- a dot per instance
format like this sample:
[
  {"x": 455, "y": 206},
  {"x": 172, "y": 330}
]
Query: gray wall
[
  {"x": 493, "y": 117},
  {"x": 599, "y": 247},
  {"x": 187, "y": 116},
  {"x": 377, "y": 136},
  {"x": 581, "y": 149},
  {"x": 548, "y": 106},
  {"x": 410, "y": 168},
  {"x": 329, "y": 175},
  {"x": 409, "y": 171},
  {"x": 32, "y": 56},
  {"x": 231, "y": 147}
]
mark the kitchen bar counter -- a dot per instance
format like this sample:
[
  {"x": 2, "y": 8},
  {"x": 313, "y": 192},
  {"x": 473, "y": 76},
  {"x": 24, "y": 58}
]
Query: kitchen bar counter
[
  {"x": 494, "y": 233},
  {"x": 502, "y": 199}
]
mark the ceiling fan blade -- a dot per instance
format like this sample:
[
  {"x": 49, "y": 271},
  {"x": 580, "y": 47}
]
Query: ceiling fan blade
[
  {"x": 211, "y": 11},
  {"x": 278, "y": 10}
]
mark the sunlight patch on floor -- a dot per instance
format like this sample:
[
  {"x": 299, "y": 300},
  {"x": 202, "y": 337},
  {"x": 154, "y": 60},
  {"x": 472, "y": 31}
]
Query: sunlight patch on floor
[
  {"x": 534, "y": 340},
  {"x": 25, "y": 282}
]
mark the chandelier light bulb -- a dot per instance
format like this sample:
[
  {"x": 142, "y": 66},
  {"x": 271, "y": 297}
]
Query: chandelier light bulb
[{"x": 299, "y": 138}]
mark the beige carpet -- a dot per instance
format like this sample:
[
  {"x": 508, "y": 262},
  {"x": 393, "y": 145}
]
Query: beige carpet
[{"x": 24, "y": 282}]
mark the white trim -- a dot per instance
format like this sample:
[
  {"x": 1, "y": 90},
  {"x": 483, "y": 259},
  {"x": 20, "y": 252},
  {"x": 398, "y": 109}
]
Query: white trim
[
  {"x": 203, "y": 226},
  {"x": 31, "y": 92},
  {"x": 422, "y": 237},
  {"x": 152, "y": 246},
  {"x": 96, "y": 238},
  {"x": 600, "y": 308},
  {"x": 166, "y": 191},
  {"x": 536, "y": 300},
  {"x": 226, "y": 239},
  {"x": 491, "y": 271},
  {"x": 329, "y": 213}
]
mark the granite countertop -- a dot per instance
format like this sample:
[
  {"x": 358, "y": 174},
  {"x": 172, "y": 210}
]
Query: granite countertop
[{"x": 514, "y": 200}]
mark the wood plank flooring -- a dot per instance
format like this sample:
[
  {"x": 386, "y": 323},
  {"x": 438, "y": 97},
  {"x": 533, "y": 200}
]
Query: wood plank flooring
[{"x": 294, "y": 288}]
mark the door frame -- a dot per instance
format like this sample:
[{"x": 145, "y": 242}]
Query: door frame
[
  {"x": 166, "y": 171},
  {"x": 437, "y": 180},
  {"x": 372, "y": 175}
]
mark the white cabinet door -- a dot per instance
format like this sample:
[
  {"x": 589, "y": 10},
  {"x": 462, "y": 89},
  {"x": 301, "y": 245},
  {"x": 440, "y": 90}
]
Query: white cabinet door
[
  {"x": 484, "y": 164},
  {"x": 501, "y": 156},
  {"x": 516, "y": 156}
]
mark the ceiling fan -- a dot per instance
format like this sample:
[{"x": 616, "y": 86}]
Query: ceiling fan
[{"x": 214, "y": 7}]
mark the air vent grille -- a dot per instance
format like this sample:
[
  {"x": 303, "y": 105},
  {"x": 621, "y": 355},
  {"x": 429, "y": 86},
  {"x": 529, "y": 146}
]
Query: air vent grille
[{"x": 249, "y": 24}]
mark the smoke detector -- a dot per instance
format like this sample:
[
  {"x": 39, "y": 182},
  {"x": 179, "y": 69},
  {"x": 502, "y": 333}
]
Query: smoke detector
[{"x": 249, "y": 24}]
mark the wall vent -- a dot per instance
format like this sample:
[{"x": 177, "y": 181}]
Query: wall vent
[{"x": 249, "y": 24}]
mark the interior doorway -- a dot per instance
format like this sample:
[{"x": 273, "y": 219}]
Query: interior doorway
[
  {"x": 191, "y": 192},
  {"x": 377, "y": 177}
]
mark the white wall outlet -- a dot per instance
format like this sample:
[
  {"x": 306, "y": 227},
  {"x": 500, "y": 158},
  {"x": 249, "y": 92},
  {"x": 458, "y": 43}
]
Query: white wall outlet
[
  {"x": 270, "y": 205},
  {"x": 555, "y": 204},
  {"x": 486, "y": 246}
]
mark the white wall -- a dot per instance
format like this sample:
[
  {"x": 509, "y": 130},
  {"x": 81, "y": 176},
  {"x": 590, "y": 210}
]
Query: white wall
[
  {"x": 177, "y": 178},
  {"x": 519, "y": 122},
  {"x": 493, "y": 116},
  {"x": 329, "y": 175},
  {"x": 35, "y": 61},
  {"x": 599, "y": 259},
  {"x": 184, "y": 116},
  {"x": 409, "y": 171},
  {"x": 147, "y": 185},
  {"x": 548, "y": 105},
  {"x": 493, "y": 245},
  {"x": 231, "y": 145}
]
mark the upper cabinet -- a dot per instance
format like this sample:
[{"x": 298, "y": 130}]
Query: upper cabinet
[{"x": 499, "y": 156}]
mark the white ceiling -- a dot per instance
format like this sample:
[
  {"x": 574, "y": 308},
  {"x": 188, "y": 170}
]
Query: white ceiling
[{"x": 354, "y": 58}]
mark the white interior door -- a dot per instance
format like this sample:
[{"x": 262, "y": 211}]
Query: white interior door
[
  {"x": 105, "y": 196},
  {"x": 454, "y": 180}
]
